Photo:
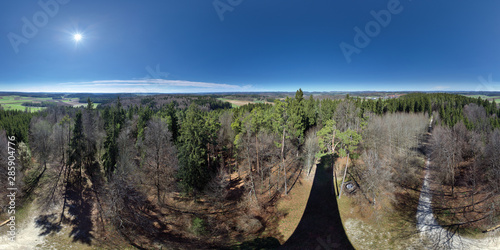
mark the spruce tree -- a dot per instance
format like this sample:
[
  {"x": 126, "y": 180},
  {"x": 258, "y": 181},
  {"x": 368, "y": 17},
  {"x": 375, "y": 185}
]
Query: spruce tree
[
  {"x": 77, "y": 145},
  {"x": 193, "y": 172}
]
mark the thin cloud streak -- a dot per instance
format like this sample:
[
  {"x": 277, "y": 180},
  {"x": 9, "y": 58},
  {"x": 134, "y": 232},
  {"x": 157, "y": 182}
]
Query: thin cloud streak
[
  {"x": 150, "y": 82},
  {"x": 137, "y": 86}
]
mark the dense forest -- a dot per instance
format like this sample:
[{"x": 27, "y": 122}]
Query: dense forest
[{"x": 193, "y": 170}]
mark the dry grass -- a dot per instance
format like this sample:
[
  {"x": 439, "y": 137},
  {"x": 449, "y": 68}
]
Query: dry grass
[
  {"x": 293, "y": 206},
  {"x": 238, "y": 103},
  {"x": 373, "y": 227}
]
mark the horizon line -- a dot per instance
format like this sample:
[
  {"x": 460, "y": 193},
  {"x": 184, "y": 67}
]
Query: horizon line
[{"x": 246, "y": 92}]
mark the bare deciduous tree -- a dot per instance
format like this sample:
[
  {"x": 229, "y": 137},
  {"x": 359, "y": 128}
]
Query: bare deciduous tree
[
  {"x": 41, "y": 133},
  {"x": 311, "y": 149},
  {"x": 160, "y": 155},
  {"x": 377, "y": 176},
  {"x": 477, "y": 116},
  {"x": 446, "y": 154}
]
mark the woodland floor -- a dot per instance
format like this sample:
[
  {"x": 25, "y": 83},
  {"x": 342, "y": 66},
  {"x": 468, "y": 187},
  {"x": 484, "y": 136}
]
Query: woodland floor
[{"x": 81, "y": 226}]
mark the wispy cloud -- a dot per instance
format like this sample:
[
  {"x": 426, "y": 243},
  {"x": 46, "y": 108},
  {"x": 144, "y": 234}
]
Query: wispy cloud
[
  {"x": 148, "y": 82},
  {"x": 141, "y": 86}
]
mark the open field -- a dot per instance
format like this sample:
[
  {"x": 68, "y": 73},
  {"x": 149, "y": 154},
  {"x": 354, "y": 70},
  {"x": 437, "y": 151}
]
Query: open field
[
  {"x": 237, "y": 103},
  {"x": 14, "y": 102},
  {"x": 491, "y": 98}
]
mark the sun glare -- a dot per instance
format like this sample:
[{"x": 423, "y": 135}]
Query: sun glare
[{"x": 77, "y": 37}]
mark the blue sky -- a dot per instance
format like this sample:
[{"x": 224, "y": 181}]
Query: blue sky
[{"x": 260, "y": 45}]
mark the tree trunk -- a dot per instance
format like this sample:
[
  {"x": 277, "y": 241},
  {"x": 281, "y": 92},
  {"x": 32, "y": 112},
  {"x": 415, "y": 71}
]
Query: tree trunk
[
  {"x": 158, "y": 181},
  {"x": 343, "y": 179},
  {"x": 250, "y": 173},
  {"x": 253, "y": 187},
  {"x": 257, "y": 149},
  {"x": 208, "y": 155},
  {"x": 283, "y": 159},
  {"x": 334, "y": 180}
]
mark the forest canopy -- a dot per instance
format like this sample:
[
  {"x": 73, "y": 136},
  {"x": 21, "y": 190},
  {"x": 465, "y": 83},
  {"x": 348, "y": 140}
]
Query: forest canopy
[{"x": 151, "y": 152}]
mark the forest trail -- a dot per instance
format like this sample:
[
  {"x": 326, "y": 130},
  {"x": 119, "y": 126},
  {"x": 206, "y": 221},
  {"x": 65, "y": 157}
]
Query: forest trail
[
  {"x": 27, "y": 237},
  {"x": 320, "y": 226},
  {"x": 438, "y": 236}
]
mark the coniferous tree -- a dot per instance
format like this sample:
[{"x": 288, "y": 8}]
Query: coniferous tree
[
  {"x": 113, "y": 120},
  {"x": 193, "y": 172},
  {"x": 77, "y": 145}
]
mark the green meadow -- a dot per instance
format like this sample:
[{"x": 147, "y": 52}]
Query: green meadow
[{"x": 14, "y": 102}]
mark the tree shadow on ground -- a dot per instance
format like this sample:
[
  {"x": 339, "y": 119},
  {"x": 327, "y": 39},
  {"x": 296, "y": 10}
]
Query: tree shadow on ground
[
  {"x": 145, "y": 227},
  {"x": 48, "y": 224},
  {"x": 235, "y": 190},
  {"x": 321, "y": 226},
  {"x": 80, "y": 218}
]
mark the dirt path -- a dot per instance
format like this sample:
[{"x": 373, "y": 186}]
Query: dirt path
[
  {"x": 28, "y": 236},
  {"x": 439, "y": 237}
]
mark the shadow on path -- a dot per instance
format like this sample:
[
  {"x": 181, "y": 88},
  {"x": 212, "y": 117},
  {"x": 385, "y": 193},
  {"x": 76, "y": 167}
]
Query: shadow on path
[
  {"x": 79, "y": 210},
  {"x": 320, "y": 226}
]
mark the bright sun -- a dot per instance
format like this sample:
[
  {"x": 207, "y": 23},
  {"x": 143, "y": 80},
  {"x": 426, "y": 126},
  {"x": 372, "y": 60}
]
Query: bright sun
[{"x": 77, "y": 37}]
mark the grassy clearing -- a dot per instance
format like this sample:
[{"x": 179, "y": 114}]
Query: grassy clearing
[
  {"x": 20, "y": 107},
  {"x": 476, "y": 96},
  {"x": 84, "y": 105},
  {"x": 11, "y": 99},
  {"x": 234, "y": 103},
  {"x": 238, "y": 103},
  {"x": 483, "y": 97},
  {"x": 14, "y": 102}
]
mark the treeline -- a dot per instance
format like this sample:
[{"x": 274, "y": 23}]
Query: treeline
[
  {"x": 35, "y": 95},
  {"x": 155, "y": 102},
  {"x": 449, "y": 106},
  {"x": 99, "y": 98},
  {"x": 39, "y": 104}
]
